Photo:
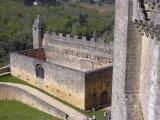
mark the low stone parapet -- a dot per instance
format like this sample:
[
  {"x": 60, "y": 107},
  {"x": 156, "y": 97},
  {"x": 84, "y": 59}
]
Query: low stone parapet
[
  {"x": 4, "y": 70},
  {"x": 24, "y": 94}
]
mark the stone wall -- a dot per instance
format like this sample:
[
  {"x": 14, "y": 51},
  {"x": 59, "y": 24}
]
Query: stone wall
[
  {"x": 127, "y": 61},
  {"x": 149, "y": 86},
  {"x": 132, "y": 72},
  {"x": 74, "y": 52},
  {"x": 146, "y": 18},
  {"x": 83, "y": 43},
  {"x": 119, "y": 61},
  {"x": 64, "y": 83},
  {"x": 155, "y": 89},
  {"x": 136, "y": 61},
  {"x": 74, "y": 58},
  {"x": 98, "y": 81},
  {"x": 71, "y": 85},
  {"x": 75, "y": 48},
  {"x": 13, "y": 92}
]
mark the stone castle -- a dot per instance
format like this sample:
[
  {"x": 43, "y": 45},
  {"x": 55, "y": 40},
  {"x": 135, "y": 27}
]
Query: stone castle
[
  {"x": 136, "y": 68},
  {"x": 78, "y": 71}
]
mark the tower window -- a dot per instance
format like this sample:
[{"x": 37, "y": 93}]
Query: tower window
[{"x": 35, "y": 29}]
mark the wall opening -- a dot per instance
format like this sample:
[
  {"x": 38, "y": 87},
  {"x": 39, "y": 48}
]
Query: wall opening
[
  {"x": 104, "y": 98},
  {"x": 39, "y": 71},
  {"x": 93, "y": 100}
]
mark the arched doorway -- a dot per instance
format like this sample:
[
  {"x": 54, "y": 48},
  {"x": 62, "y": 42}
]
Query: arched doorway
[
  {"x": 39, "y": 71},
  {"x": 93, "y": 100},
  {"x": 104, "y": 98}
]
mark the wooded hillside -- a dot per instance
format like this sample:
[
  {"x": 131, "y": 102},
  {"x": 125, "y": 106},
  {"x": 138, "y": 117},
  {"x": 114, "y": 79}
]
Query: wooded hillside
[{"x": 17, "y": 17}]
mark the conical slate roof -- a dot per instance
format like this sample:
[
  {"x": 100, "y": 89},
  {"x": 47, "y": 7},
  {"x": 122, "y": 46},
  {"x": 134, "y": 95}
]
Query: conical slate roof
[{"x": 39, "y": 22}]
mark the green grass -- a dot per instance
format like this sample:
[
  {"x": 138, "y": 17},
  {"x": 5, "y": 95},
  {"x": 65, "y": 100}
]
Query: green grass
[
  {"x": 13, "y": 110},
  {"x": 9, "y": 78}
]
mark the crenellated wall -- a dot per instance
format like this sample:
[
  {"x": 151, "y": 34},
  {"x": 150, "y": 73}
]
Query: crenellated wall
[
  {"x": 146, "y": 18},
  {"x": 63, "y": 65},
  {"x": 74, "y": 52},
  {"x": 99, "y": 48},
  {"x": 136, "y": 61},
  {"x": 75, "y": 39}
]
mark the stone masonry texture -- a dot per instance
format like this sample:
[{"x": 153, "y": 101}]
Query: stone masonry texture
[{"x": 135, "y": 85}]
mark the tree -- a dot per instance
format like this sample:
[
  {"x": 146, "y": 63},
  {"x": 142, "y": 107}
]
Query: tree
[{"x": 83, "y": 18}]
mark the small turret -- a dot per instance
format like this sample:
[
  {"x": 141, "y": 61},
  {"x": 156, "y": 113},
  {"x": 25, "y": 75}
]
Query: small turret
[{"x": 38, "y": 30}]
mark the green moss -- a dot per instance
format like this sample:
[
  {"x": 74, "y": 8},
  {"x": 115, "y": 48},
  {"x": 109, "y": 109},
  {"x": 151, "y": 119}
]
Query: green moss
[{"x": 13, "y": 110}]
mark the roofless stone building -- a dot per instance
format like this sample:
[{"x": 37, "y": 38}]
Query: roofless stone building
[{"x": 78, "y": 71}]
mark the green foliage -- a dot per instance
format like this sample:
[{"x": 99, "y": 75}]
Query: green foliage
[
  {"x": 13, "y": 110},
  {"x": 109, "y": 37},
  {"x": 16, "y": 19}
]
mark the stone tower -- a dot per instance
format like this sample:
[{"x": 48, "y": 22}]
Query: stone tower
[
  {"x": 38, "y": 30},
  {"x": 136, "y": 70}
]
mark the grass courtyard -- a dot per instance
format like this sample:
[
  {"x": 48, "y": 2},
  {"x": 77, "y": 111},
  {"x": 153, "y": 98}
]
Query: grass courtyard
[
  {"x": 13, "y": 110},
  {"x": 9, "y": 78}
]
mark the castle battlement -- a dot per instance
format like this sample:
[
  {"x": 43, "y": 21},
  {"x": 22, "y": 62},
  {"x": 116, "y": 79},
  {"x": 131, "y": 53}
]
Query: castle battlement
[
  {"x": 146, "y": 17},
  {"x": 53, "y": 37}
]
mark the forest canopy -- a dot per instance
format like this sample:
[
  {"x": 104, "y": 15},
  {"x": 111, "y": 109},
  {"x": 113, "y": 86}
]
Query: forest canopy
[{"x": 17, "y": 17}]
